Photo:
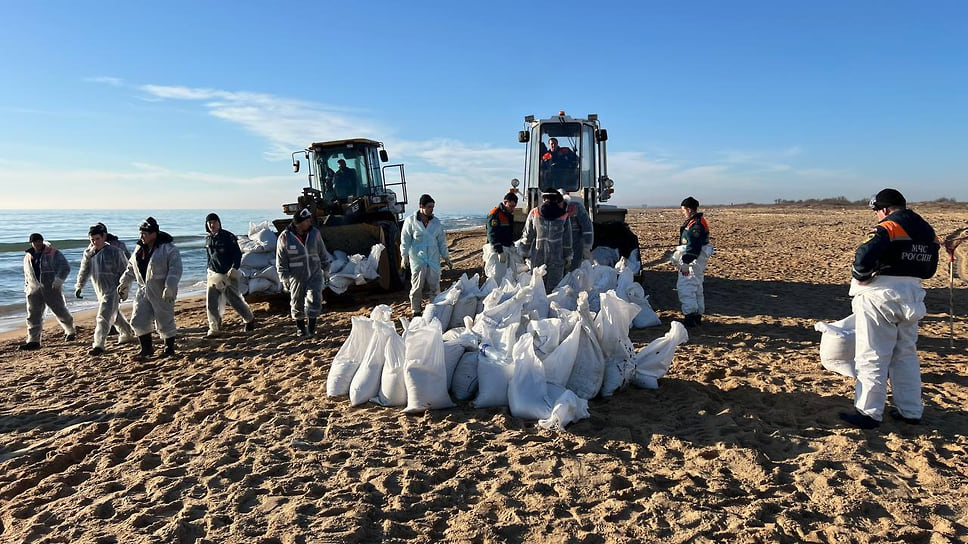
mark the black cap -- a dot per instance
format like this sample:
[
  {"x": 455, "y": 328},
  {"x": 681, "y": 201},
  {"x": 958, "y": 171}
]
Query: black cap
[
  {"x": 36, "y": 237},
  {"x": 887, "y": 198},
  {"x": 302, "y": 215},
  {"x": 149, "y": 225},
  {"x": 97, "y": 228},
  {"x": 212, "y": 217},
  {"x": 511, "y": 196},
  {"x": 426, "y": 199},
  {"x": 690, "y": 203}
]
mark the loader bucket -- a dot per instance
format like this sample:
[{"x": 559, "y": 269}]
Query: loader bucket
[{"x": 359, "y": 238}]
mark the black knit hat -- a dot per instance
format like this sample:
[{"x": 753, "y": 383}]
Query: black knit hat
[
  {"x": 36, "y": 237},
  {"x": 690, "y": 203},
  {"x": 302, "y": 215},
  {"x": 97, "y": 228},
  {"x": 887, "y": 198},
  {"x": 511, "y": 197},
  {"x": 149, "y": 225},
  {"x": 426, "y": 199},
  {"x": 212, "y": 217}
]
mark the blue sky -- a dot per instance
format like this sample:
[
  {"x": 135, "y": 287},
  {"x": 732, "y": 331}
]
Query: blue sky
[{"x": 181, "y": 104}]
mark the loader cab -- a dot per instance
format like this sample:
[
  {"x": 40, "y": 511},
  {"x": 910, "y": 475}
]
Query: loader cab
[
  {"x": 566, "y": 153},
  {"x": 349, "y": 184}
]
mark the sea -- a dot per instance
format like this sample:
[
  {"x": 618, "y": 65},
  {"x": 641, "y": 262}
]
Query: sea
[{"x": 67, "y": 231}]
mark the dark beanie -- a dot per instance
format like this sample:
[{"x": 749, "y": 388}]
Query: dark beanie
[
  {"x": 690, "y": 203},
  {"x": 511, "y": 197},
  {"x": 426, "y": 199},
  {"x": 36, "y": 237},
  {"x": 149, "y": 225},
  {"x": 212, "y": 217},
  {"x": 302, "y": 215},
  {"x": 887, "y": 198},
  {"x": 97, "y": 228}
]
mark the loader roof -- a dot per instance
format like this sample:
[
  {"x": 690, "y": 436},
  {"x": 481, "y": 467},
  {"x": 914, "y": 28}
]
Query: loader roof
[{"x": 336, "y": 143}]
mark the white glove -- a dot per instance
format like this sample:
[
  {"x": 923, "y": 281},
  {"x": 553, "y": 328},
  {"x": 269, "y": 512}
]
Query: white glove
[
  {"x": 169, "y": 295},
  {"x": 123, "y": 291},
  {"x": 57, "y": 283},
  {"x": 502, "y": 257},
  {"x": 406, "y": 262},
  {"x": 234, "y": 274}
]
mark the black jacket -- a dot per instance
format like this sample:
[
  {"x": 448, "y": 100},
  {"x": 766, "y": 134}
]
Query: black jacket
[
  {"x": 902, "y": 244},
  {"x": 223, "y": 251}
]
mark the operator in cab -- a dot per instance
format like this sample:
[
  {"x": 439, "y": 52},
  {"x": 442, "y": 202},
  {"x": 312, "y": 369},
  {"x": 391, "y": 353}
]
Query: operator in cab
[
  {"x": 345, "y": 182},
  {"x": 557, "y": 157}
]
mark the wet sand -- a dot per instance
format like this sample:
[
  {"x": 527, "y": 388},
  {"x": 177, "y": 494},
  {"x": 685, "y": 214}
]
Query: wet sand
[{"x": 235, "y": 441}]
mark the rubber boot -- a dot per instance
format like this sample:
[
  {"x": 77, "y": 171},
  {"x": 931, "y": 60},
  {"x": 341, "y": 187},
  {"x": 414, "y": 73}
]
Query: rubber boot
[
  {"x": 169, "y": 347},
  {"x": 301, "y": 325},
  {"x": 312, "y": 327},
  {"x": 147, "y": 350}
]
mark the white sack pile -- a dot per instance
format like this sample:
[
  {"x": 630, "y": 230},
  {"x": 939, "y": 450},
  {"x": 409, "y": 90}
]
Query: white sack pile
[
  {"x": 508, "y": 344},
  {"x": 259, "y": 260},
  {"x": 259, "y": 263}
]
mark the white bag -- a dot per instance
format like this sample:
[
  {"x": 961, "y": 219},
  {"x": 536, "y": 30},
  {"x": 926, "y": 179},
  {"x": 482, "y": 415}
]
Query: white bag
[
  {"x": 527, "y": 390},
  {"x": 425, "y": 373},
  {"x": 367, "y": 380},
  {"x": 453, "y": 351},
  {"x": 567, "y": 408},
  {"x": 494, "y": 370},
  {"x": 837, "y": 345},
  {"x": 588, "y": 372},
  {"x": 393, "y": 388},
  {"x": 653, "y": 361},
  {"x": 349, "y": 356},
  {"x": 612, "y": 324},
  {"x": 539, "y": 299},
  {"x": 558, "y": 364},
  {"x": 443, "y": 306}
]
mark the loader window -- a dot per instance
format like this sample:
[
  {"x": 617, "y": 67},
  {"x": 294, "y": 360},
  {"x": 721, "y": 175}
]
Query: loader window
[{"x": 559, "y": 157}]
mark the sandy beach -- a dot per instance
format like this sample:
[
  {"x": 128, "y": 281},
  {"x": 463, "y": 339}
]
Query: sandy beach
[{"x": 235, "y": 440}]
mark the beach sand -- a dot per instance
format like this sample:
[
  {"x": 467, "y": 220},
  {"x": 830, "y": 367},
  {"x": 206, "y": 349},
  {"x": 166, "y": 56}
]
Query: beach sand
[{"x": 235, "y": 441}]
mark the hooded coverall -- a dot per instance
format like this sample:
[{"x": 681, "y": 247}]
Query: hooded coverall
[
  {"x": 546, "y": 239},
  {"x": 302, "y": 264},
  {"x": 42, "y": 285},
  {"x": 121, "y": 322},
  {"x": 224, "y": 254},
  {"x": 582, "y": 230},
  {"x": 694, "y": 250},
  {"x": 500, "y": 238},
  {"x": 888, "y": 302},
  {"x": 163, "y": 271},
  {"x": 423, "y": 246},
  {"x": 104, "y": 268}
]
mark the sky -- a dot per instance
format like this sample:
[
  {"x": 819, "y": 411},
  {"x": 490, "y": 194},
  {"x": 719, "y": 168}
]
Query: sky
[{"x": 188, "y": 104}]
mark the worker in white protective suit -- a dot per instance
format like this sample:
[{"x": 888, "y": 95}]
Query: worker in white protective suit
[
  {"x": 224, "y": 261},
  {"x": 303, "y": 265},
  {"x": 888, "y": 301},
  {"x": 582, "y": 229},
  {"x": 104, "y": 265},
  {"x": 45, "y": 270},
  {"x": 546, "y": 238},
  {"x": 423, "y": 245},
  {"x": 156, "y": 265},
  {"x": 691, "y": 257}
]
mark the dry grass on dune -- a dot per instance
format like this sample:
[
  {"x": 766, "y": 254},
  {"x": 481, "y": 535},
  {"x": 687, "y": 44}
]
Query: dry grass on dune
[{"x": 235, "y": 441}]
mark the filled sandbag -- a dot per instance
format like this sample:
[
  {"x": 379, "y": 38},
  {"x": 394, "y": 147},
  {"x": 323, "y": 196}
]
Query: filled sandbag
[
  {"x": 527, "y": 389},
  {"x": 393, "y": 387},
  {"x": 425, "y": 373},
  {"x": 464, "y": 383},
  {"x": 349, "y": 356},
  {"x": 368, "y": 377},
  {"x": 494, "y": 370},
  {"x": 653, "y": 361},
  {"x": 443, "y": 306},
  {"x": 837, "y": 345},
  {"x": 588, "y": 372},
  {"x": 612, "y": 324},
  {"x": 559, "y": 363}
]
